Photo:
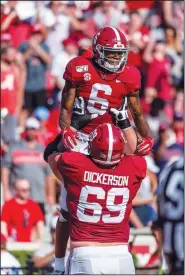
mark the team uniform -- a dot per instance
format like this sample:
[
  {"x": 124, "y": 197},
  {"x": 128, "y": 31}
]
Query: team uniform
[
  {"x": 101, "y": 91},
  {"x": 171, "y": 214},
  {"x": 99, "y": 201}
]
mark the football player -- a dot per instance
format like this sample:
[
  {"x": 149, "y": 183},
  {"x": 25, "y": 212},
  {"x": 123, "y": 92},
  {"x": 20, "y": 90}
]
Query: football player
[
  {"x": 78, "y": 121},
  {"x": 131, "y": 137},
  {"x": 102, "y": 82},
  {"x": 100, "y": 189},
  {"x": 171, "y": 215}
]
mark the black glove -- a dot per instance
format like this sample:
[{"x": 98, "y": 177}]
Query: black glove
[
  {"x": 52, "y": 147},
  {"x": 80, "y": 118}
]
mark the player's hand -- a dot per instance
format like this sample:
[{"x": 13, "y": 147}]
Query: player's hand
[
  {"x": 122, "y": 112},
  {"x": 144, "y": 146},
  {"x": 121, "y": 115},
  {"x": 69, "y": 137},
  {"x": 79, "y": 106},
  {"x": 80, "y": 118}
]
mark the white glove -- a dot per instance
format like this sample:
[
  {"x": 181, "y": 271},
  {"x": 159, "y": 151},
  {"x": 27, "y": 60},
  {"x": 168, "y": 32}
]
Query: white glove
[
  {"x": 79, "y": 106},
  {"x": 121, "y": 113}
]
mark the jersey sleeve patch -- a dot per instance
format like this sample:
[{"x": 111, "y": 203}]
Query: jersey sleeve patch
[{"x": 75, "y": 70}]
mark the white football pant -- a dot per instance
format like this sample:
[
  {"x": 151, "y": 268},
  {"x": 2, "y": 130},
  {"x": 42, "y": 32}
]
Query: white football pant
[{"x": 100, "y": 260}]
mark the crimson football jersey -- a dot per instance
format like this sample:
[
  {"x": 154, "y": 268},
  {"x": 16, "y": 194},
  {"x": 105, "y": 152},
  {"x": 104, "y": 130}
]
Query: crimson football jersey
[
  {"x": 101, "y": 91},
  {"x": 99, "y": 200}
]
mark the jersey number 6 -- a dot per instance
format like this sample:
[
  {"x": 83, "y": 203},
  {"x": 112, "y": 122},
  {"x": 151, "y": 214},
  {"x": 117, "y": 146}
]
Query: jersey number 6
[
  {"x": 94, "y": 99},
  {"x": 96, "y": 208}
]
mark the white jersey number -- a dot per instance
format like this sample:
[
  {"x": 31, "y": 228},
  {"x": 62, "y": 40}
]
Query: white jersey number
[
  {"x": 94, "y": 99},
  {"x": 96, "y": 209}
]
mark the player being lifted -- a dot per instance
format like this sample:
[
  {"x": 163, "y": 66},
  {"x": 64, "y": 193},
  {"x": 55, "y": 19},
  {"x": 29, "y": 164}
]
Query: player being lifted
[
  {"x": 102, "y": 82},
  {"x": 100, "y": 189}
]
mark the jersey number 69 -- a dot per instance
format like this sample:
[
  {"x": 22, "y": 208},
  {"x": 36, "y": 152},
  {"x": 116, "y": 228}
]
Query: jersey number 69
[{"x": 96, "y": 208}]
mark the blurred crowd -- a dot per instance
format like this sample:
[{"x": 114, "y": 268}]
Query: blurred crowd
[{"x": 38, "y": 38}]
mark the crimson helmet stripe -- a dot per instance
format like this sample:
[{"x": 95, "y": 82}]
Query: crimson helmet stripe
[
  {"x": 116, "y": 33},
  {"x": 109, "y": 156}
]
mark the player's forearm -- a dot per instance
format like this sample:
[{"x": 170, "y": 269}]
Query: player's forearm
[
  {"x": 131, "y": 140},
  {"x": 138, "y": 116},
  {"x": 142, "y": 126},
  {"x": 52, "y": 161},
  {"x": 68, "y": 97},
  {"x": 65, "y": 118}
]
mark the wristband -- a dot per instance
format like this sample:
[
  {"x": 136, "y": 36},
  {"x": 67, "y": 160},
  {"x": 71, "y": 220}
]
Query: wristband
[{"x": 123, "y": 124}]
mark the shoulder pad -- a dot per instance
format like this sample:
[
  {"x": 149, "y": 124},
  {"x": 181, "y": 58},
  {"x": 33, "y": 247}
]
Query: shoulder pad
[{"x": 131, "y": 77}]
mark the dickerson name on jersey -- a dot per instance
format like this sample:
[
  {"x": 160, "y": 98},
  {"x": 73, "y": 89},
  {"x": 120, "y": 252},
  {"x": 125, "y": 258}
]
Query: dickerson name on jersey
[{"x": 106, "y": 179}]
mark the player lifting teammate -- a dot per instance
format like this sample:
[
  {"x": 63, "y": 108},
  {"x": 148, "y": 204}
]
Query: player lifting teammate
[
  {"x": 100, "y": 189},
  {"x": 100, "y": 85}
]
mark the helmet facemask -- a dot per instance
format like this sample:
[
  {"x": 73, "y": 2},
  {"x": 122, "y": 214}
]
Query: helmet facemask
[{"x": 112, "y": 64}]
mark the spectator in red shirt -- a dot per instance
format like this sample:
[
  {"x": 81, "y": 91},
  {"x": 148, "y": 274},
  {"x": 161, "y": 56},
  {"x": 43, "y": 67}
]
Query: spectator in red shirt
[{"x": 21, "y": 215}]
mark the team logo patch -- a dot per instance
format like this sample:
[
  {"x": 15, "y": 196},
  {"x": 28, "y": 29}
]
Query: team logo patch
[
  {"x": 87, "y": 76},
  {"x": 83, "y": 68}
]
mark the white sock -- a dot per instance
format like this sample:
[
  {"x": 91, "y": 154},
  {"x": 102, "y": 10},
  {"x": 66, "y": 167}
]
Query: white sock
[{"x": 59, "y": 264}]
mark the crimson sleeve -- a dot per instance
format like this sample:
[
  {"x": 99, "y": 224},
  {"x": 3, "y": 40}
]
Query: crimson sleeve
[
  {"x": 139, "y": 164},
  {"x": 133, "y": 82},
  {"x": 69, "y": 74},
  {"x": 68, "y": 165},
  {"x": 5, "y": 214}
]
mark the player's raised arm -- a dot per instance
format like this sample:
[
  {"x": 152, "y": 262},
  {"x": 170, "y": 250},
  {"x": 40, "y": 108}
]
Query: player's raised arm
[
  {"x": 137, "y": 113},
  {"x": 68, "y": 97}
]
